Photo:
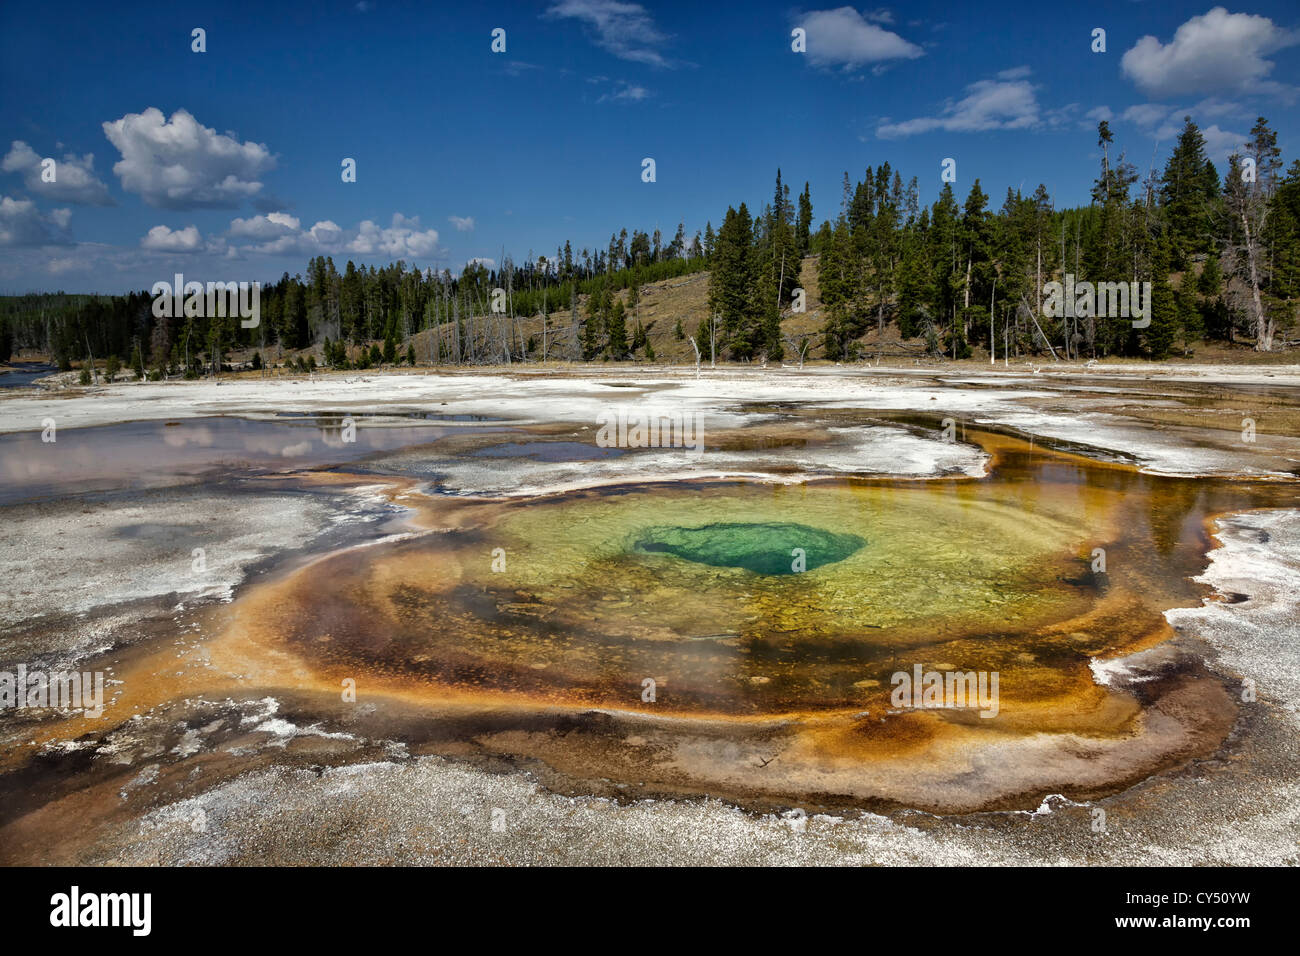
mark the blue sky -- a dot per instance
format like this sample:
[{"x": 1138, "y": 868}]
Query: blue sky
[{"x": 226, "y": 164}]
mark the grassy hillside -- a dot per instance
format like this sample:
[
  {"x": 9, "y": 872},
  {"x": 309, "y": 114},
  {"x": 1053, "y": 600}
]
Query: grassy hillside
[{"x": 684, "y": 298}]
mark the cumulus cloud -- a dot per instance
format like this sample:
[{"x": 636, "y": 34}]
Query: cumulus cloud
[
  {"x": 1146, "y": 115},
  {"x": 22, "y": 224},
  {"x": 1217, "y": 51},
  {"x": 324, "y": 238},
  {"x": 403, "y": 239},
  {"x": 163, "y": 239},
  {"x": 178, "y": 163},
  {"x": 279, "y": 234},
  {"x": 987, "y": 105},
  {"x": 1222, "y": 143},
  {"x": 844, "y": 37},
  {"x": 1164, "y": 124},
  {"x": 74, "y": 177},
  {"x": 271, "y": 226},
  {"x": 62, "y": 265},
  {"x": 624, "y": 29},
  {"x": 462, "y": 223}
]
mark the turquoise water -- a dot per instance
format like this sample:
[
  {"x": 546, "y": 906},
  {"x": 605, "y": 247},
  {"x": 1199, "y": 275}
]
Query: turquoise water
[{"x": 762, "y": 547}]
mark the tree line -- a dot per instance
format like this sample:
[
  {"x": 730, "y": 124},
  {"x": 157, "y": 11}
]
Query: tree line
[{"x": 1222, "y": 254}]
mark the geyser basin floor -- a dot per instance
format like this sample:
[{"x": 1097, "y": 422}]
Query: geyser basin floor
[
  {"x": 526, "y": 630},
  {"x": 214, "y": 715},
  {"x": 63, "y": 461}
]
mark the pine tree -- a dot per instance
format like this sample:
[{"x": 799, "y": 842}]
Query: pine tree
[
  {"x": 593, "y": 330},
  {"x": 1159, "y": 336},
  {"x": 836, "y": 272},
  {"x": 731, "y": 281},
  {"x": 1284, "y": 242},
  {"x": 1191, "y": 328},
  {"x": 617, "y": 332},
  {"x": 1188, "y": 186},
  {"x": 804, "y": 223},
  {"x": 704, "y": 338},
  {"x": 634, "y": 293},
  {"x": 1210, "y": 281}
]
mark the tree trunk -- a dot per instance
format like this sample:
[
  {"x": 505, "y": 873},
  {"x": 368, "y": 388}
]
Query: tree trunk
[{"x": 1263, "y": 327}]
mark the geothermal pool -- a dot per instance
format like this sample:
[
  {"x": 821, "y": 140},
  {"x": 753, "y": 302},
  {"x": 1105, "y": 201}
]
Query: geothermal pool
[
  {"x": 578, "y": 597},
  {"x": 690, "y": 636},
  {"x": 771, "y": 618}
]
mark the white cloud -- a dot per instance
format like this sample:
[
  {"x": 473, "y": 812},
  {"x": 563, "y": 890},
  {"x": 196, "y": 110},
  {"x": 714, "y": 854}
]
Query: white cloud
[
  {"x": 65, "y": 264},
  {"x": 271, "y": 226},
  {"x": 626, "y": 92},
  {"x": 1217, "y": 107},
  {"x": 987, "y": 105},
  {"x": 74, "y": 177},
  {"x": 402, "y": 240},
  {"x": 1146, "y": 115},
  {"x": 181, "y": 164},
  {"x": 518, "y": 67},
  {"x": 1015, "y": 73},
  {"x": 624, "y": 29},
  {"x": 280, "y": 234},
  {"x": 1217, "y": 51},
  {"x": 462, "y": 223},
  {"x": 1222, "y": 143},
  {"x": 843, "y": 37},
  {"x": 324, "y": 238},
  {"x": 1164, "y": 124},
  {"x": 163, "y": 239},
  {"x": 22, "y": 224}
]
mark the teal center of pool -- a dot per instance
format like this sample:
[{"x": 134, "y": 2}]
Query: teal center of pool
[{"x": 761, "y": 547}]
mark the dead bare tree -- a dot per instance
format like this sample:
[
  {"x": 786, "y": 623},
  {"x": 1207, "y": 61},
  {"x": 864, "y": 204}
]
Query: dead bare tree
[
  {"x": 1041, "y": 334},
  {"x": 1247, "y": 204},
  {"x": 800, "y": 343}
]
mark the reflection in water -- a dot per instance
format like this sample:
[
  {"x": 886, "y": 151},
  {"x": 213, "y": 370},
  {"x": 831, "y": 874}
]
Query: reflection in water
[
  {"x": 152, "y": 454},
  {"x": 25, "y": 373}
]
